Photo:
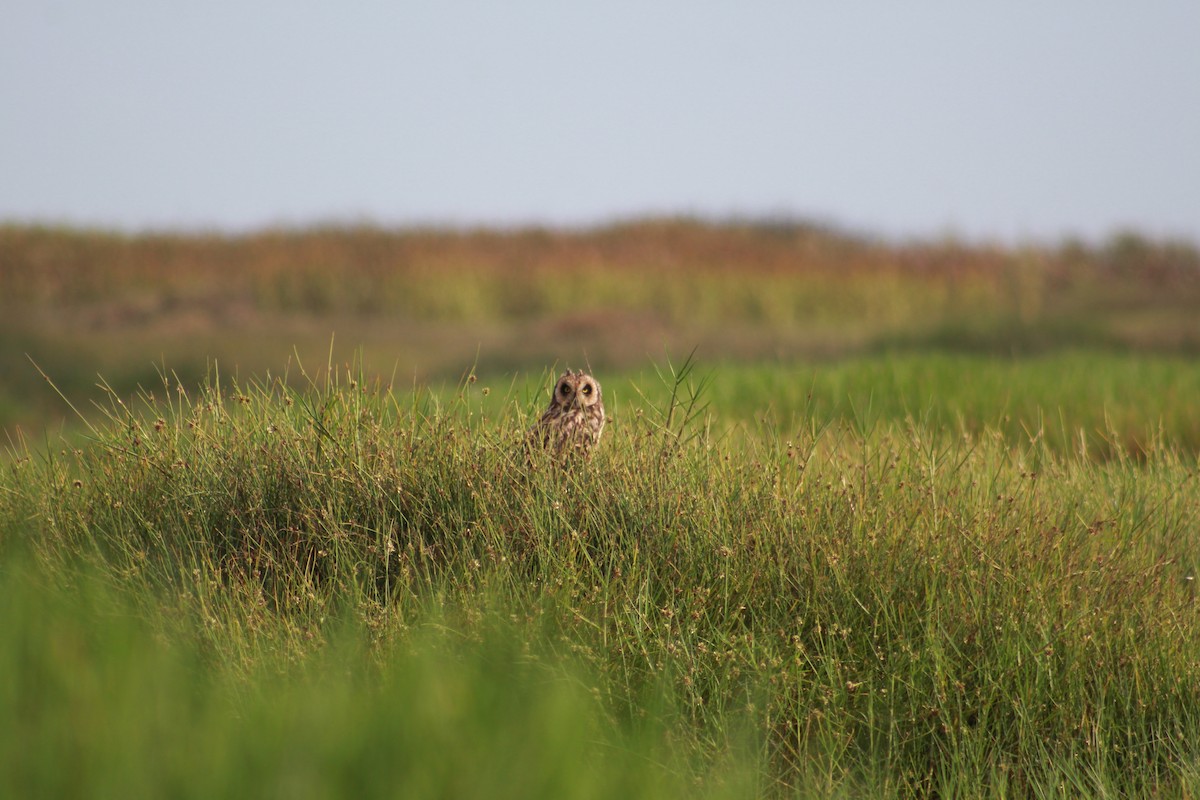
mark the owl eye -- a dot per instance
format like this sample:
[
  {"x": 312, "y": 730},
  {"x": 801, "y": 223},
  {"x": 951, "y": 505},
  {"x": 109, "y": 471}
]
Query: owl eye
[
  {"x": 587, "y": 388},
  {"x": 565, "y": 388}
]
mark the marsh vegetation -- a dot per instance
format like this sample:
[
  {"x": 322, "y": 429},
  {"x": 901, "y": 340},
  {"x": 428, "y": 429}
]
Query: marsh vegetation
[{"x": 946, "y": 547}]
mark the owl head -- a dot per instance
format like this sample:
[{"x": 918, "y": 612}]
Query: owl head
[{"x": 577, "y": 390}]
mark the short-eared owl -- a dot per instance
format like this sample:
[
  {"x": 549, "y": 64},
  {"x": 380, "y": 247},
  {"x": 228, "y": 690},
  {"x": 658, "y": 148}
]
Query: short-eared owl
[{"x": 575, "y": 418}]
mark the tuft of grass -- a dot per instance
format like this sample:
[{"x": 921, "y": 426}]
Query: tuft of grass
[{"x": 789, "y": 605}]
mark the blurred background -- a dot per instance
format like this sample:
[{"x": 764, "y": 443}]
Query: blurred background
[{"x": 429, "y": 188}]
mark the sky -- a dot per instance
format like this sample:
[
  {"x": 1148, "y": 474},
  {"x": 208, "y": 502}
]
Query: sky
[{"x": 1005, "y": 122}]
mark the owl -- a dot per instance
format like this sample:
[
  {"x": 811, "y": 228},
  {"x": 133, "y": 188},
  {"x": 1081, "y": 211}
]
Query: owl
[{"x": 575, "y": 419}]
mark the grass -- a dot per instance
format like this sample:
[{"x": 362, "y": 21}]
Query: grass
[
  {"x": 1086, "y": 400},
  {"x": 97, "y": 705},
  {"x": 858, "y": 578},
  {"x": 924, "y": 525}
]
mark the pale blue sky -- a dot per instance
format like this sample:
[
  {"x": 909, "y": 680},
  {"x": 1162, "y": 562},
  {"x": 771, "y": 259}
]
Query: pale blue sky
[{"x": 1012, "y": 121}]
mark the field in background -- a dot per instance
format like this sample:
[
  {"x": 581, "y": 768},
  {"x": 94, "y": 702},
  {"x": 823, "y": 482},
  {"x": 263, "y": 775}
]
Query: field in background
[{"x": 421, "y": 306}]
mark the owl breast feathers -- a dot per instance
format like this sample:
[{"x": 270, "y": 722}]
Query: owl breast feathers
[{"x": 575, "y": 419}]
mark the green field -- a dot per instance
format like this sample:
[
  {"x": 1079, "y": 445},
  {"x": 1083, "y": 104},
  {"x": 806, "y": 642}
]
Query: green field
[{"x": 937, "y": 554}]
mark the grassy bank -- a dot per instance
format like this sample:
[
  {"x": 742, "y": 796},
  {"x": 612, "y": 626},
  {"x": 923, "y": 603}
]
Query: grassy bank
[{"x": 895, "y": 595}]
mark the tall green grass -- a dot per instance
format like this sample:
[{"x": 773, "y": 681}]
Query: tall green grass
[
  {"x": 99, "y": 702},
  {"x": 792, "y": 604}
]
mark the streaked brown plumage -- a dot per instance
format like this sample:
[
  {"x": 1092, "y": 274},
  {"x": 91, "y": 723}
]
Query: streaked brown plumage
[{"x": 575, "y": 419}]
